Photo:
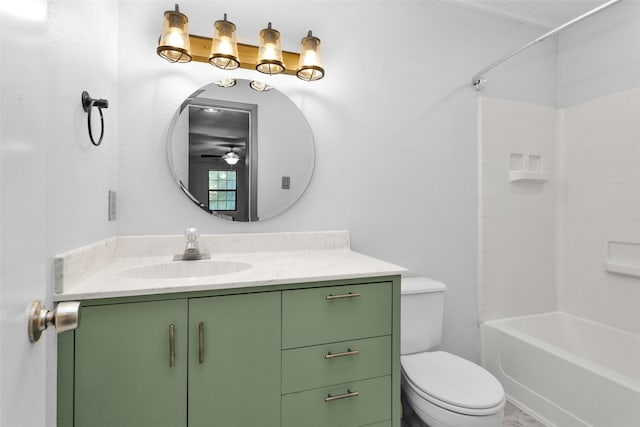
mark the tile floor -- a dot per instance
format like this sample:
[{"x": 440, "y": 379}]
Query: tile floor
[
  {"x": 513, "y": 417},
  {"x": 516, "y": 417}
]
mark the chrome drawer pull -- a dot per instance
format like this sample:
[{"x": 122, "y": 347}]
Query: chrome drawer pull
[
  {"x": 349, "y": 352},
  {"x": 348, "y": 394},
  {"x": 343, "y": 296},
  {"x": 172, "y": 349},
  {"x": 201, "y": 343}
]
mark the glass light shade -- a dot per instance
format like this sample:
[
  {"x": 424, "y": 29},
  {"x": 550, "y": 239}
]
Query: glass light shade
[
  {"x": 259, "y": 86},
  {"x": 269, "y": 52},
  {"x": 174, "y": 45},
  {"x": 231, "y": 158},
  {"x": 224, "y": 48},
  {"x": 310, "y": 66},
  {"x": 226, "y": 82}
]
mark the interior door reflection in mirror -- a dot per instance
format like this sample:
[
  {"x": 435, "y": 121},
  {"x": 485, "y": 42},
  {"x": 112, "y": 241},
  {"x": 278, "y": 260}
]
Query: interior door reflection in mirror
[
  {"x": 240, "y": 154},
  {"x": 222, "y": 162}
]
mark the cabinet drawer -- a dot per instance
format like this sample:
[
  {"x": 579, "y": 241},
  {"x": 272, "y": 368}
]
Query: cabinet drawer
[
  {"x": 322, "y": 365},
  {"x": 336, "y": 313},
  {"x": 311, "y": 409}
]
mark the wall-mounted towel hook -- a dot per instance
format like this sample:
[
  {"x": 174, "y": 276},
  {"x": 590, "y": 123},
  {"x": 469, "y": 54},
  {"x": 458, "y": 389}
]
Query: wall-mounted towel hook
[{"x": 87, "y": 105}]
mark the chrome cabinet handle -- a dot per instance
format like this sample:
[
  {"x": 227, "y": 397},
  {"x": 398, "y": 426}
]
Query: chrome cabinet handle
[
  {"x": 343, "y": 296},
  {"x": 201, "y": 342},
  {"x": 172, "y": 349},
  {"x": 347, "y": 395},
  {"x": 349, "y": 352}
]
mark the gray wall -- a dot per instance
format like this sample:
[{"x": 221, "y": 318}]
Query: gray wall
[
  {"x": 601, "y": 55},
  {"x": 79, "y": 175}
]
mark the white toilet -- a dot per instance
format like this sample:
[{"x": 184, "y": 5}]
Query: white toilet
[{"x": 442, "y": 390}]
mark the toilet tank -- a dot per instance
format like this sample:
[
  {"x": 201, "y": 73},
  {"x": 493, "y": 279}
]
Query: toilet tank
[{"x": 422, "y": 306}]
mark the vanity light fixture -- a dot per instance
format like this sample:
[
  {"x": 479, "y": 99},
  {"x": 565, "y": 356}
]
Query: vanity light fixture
[
  {"x": 309, "y": 67},
  {"x": 270, "y": 52},
  {"x": 223, "y": 51},
  {"x": 174, "y": 44},
  {"x": 231, "y": 158}
]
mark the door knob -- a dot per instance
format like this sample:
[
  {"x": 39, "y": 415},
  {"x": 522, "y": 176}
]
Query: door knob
[{"x": 64, "y": 317}]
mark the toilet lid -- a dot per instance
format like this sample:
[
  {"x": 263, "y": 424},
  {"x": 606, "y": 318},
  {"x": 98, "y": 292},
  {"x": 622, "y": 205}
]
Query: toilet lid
[{"x": 453, "y": 380}]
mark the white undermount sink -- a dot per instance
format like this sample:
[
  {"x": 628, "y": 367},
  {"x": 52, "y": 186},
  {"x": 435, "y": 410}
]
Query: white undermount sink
[{"x": 184, "y": 269}]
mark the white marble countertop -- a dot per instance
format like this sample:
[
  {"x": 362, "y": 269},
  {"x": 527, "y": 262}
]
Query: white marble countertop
[{"x": 96, "y": 271}]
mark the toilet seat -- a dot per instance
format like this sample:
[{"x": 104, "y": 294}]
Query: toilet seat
[{"x": 453, "y": 383}]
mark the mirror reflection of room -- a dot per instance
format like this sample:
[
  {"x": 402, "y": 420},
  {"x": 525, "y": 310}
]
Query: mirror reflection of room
[
  {"x": 231, "y": 155},
  {"x": 220, "y": 153}
]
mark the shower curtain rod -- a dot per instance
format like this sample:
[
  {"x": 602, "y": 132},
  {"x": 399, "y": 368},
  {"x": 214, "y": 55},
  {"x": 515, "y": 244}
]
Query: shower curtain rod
[{"x": 478, "y": 79}]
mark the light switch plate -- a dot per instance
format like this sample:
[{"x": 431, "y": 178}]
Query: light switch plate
[
  {"x": 286, "y": 182},
  {"x": 112, "y": 205}
]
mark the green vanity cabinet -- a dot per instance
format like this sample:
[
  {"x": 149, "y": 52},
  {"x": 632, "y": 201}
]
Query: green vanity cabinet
[
  {"x": 124, "y": 373},
  {"x": 305, "y": 354},
  {"x": 140, "y": 364},
  {"x": 234, "y": 360},
  {"x": 338, "y": 353}
]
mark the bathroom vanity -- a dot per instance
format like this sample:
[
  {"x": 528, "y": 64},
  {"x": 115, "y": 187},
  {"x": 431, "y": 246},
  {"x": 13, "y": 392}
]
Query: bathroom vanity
[{"x": 308, "y": 335}]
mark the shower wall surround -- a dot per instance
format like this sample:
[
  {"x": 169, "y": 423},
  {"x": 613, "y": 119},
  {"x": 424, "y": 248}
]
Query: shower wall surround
[
  {"x": 599, "y": 203},
  {"x": 516, "y": 218},
  {"x": 544, "y": 244}
]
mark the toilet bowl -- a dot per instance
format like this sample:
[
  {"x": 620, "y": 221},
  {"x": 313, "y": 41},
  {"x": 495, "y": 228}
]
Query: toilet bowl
[
  {"x": 442, "y": 389},
  {"x": 445, "y": 390}
]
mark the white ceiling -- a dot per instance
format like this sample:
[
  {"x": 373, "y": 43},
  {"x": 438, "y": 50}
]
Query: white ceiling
[{"x": 547, "y": 13}]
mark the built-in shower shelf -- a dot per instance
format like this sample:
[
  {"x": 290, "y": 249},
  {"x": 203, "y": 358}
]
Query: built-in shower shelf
[
  {"x": 623, "y": 258},
  {"x": 628, "y": 270},
  {"x": 528, "y": 176},
  {"x": 527, "y": 167}
]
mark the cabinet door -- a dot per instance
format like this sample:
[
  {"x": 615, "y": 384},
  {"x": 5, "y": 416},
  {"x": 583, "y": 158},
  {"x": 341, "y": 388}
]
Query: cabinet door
[
  {"x": 123, "y": 372},
  {"x": 235, "y": 380}
]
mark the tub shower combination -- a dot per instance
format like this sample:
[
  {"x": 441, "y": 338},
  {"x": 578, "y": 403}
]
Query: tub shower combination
[{"x": 565, "y": 370}]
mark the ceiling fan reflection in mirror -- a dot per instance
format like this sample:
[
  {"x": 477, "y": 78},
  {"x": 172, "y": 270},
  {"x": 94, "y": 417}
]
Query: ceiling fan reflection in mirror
[{"x": 230, "y": 157}]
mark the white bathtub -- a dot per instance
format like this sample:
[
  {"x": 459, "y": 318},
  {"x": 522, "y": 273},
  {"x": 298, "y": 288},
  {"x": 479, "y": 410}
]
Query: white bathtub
[{"x": 565, "y": 370}]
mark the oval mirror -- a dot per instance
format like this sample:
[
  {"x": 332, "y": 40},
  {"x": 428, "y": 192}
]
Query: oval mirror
[{"x": 243, "y": 152}]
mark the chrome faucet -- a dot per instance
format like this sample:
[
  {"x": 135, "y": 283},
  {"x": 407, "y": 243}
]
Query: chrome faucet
[{"x": 192, "y": 251}]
